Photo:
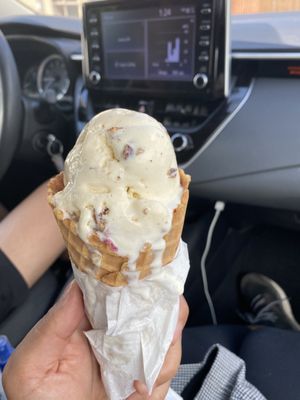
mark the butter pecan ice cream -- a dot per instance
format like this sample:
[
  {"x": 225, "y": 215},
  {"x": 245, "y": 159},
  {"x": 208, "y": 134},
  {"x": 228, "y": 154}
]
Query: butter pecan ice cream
[{"x": 121, "y": 180}]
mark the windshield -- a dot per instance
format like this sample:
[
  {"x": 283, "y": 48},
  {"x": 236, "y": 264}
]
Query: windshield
[{"x": 73, "y": 8}]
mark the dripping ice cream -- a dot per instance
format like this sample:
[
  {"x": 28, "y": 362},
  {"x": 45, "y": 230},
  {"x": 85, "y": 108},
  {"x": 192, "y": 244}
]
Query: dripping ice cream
[
  {"x": 121, "y": 186},
  {"x": 120, "y": 204}
]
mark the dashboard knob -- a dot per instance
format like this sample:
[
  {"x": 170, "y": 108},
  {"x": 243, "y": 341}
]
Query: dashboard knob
[
  {"x": 95, "y": 77},
  {"x": 180, "y": 142},
  {"x": 200, "y": 80}
]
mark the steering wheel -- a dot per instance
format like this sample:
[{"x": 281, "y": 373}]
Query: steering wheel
[{"x": 11, "y": 111}]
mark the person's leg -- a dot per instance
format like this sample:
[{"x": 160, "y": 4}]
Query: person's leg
[
  {"x": 196, "y": 341},
  {"x": 272, "y": 360},
  {"x": 29, "y": 236},
  {"x": 271, "y": 356}
]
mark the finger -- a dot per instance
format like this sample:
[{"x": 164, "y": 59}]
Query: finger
[
  {"x": 141, "y": 388},
  {"x": 141, "y": 392},
  {"x": 85, "y": 324},
  {"x": 160, "y": 392},
  {"x": 47, "y": 340},
  {"x": 171, "y": 364},
  {"x": 182, "y": 318},
  {"x": 173, "y": 356},
  {"x": 137, "y": 396}
]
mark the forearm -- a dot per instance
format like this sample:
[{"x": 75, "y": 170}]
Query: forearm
[{"x": 29, "y": 236}]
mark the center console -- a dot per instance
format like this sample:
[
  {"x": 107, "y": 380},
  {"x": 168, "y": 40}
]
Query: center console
[{"x": 169, "y": 58}]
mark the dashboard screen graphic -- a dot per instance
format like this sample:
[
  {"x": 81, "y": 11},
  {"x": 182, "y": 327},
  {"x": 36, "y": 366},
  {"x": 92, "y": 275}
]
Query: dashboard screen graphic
[{"x": 154, "y": 43}]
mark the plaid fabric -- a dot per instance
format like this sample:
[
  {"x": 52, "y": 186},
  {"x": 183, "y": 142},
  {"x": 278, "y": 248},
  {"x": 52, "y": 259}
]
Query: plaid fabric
[{"x": 225, "y": 380}]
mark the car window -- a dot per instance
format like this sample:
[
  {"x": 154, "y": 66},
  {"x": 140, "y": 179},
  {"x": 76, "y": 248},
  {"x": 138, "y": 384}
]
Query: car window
[
  {"x": 73, "y": 8},
  {"x": 262, "y": 25},
  {"x": 263, "y": 6}
]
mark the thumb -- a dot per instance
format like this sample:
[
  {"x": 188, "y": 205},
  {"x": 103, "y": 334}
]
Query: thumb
[
  {"x": 47, "y": 340},
  {"x": 182, "y": 318}
]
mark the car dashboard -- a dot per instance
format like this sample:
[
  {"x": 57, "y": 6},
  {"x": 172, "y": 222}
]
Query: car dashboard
[{"x": 242, "y": 148}]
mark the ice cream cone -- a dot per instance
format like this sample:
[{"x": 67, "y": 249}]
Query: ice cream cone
[{"x": 111, "y": 268}]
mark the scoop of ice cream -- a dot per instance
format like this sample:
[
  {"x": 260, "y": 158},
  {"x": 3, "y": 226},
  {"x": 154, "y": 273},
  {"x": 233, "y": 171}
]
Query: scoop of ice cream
[{"x": 122, "y": 182}]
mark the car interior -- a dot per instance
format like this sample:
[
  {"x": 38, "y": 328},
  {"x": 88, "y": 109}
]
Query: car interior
[{"x": 227, "y": 88}]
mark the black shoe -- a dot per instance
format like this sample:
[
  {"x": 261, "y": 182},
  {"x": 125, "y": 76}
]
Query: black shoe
[{"x": 266, "y": 303}]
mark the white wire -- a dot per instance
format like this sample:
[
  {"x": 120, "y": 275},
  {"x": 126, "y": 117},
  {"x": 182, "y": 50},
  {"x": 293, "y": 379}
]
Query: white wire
[{"x": 203, "y": 261}]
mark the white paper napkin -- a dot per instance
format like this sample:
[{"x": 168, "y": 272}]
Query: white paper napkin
[{"x": 133, "y": 326}]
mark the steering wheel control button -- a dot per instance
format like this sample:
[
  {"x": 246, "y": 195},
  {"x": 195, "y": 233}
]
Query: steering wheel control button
[
  {"x": 94, "y": 77},
  {"x": 180, "y": 142},
  {"x": 200, "y": 81}
]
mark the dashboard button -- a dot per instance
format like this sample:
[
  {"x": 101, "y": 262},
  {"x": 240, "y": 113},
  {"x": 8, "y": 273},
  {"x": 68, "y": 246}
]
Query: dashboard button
[
  {"x": 205, "y": 11},
  {"x": 188, "y": 109},
  {"x": 95, "y": 46},
  {"x": 203, "y": 68},
  {"x": 94, "y": 77},
  {"x": 170, "y": 107},
  {"x": 180, "y": 142},
  {"x": 179, "y": 108},
  {"x": 200, "y": 80},
  {"x": 94, "y": 32},
  {"x": 93, "y": 19},
  {"x": 204, "y": 43},
  {"x": 203, "y": 57},
  {"x": 200, "y": 111},
  {"x": 205, "y": 27},
  {"x": 96, "y": 58},
  {"x": 97, "y": 68},
  {"x": 145, "y": 106}
]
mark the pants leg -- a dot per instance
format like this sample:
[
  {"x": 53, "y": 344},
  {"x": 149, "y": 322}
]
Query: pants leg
[
  {"x": 196, "y": 341},
  {"x": 271, "y": 355},
  {"x": 272, "y": 362}
]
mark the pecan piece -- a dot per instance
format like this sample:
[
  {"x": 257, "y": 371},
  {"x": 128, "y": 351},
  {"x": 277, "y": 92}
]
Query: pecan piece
[
  {"x": 105, "y": 211},
  {"x": 101, "y": 225},
  {"x": 113, "y": 129},
  {"x": 127, "y": 151},
  {"x": 172, "y": 173},
  {"x": 99, "y": 221},
  {"x": 95, "y": 216}
]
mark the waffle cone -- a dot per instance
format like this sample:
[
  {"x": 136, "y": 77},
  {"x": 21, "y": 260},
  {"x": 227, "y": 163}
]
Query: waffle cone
[{"x": 113, "y": 267}]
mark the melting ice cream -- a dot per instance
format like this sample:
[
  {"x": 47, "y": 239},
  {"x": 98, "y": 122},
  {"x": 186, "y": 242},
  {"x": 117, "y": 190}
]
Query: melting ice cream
[{"x": 122, "y": 182}]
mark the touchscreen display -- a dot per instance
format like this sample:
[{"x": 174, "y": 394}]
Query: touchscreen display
[{"x": 150, "y": 43}]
